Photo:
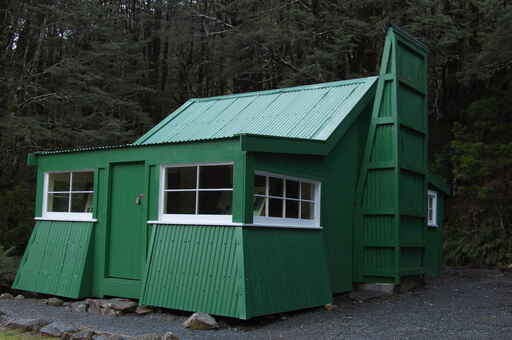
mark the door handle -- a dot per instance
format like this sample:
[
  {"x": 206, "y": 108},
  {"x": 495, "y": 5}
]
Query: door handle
[{"x": 139, "y": 198}]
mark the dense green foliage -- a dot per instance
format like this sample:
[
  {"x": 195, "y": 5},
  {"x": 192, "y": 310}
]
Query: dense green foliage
[{"x": 76, "y": 72}]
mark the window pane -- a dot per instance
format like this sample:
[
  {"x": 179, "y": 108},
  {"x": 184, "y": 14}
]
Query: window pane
[
  {"x": 260, "y": 183},
  {"x": 216, "y": 177},
  {"x": 275, "y": 186},
  {"x": 58, "y": 181},
  {"x": 275, "y": 207},
  {"x": 292, "y": 209},
  {"x": 82, "y": 181},
  {"x": 81, "y": 203},
  {"x": 181, "y": 178},
  {"x": 259, "y": 206},
  {"x": 307, "y": 191},
  {"x": 307, "y": 211},
  {"x": 292, "y": 189},
  {"x": 180, "y": 202},
  {"x": 215, "y": 202},
  {"x": 58, "y": 202}
]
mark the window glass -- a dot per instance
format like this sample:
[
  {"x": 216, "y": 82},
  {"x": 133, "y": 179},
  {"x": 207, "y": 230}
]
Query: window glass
[
  {"x": 260, "y": 185},
  {"x": 215, "y": 202},
  {"x": 59, "y": 181},
  {"x": 292, "y": 209},
  {"x": 70, "y": 192},
  {"x": 292, "y": 200},
  {"x": 83, "y": 181},
  {"x": 259, "y": 206},
  {"x": 276, "y": 186},
  {"x": 307, "y": 211},
  {"x": 307, "y": 191},
  {"x": 275, "y": 207},
  {"x": 181, "y": 177},
  {"x": 81, "y": 202},
  {"x": 180, "y": 202},
  {"x": 198, "y": 190},
  {"x": 58, "y": 202},
  {"x": 292, "y": 189},
  {"x": 216, "y": 177}
]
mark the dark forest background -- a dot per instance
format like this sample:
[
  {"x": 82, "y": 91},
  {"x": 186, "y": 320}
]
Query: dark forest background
[{"x": 96, "y": 72}]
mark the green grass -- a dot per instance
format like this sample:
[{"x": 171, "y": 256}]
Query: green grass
[{"x": 17, "y": 334}]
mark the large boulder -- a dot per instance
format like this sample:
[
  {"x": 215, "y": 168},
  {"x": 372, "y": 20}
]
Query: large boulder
[
  {"x": 170, "y": 336},
  {"x": 84, "y": 334},
  {"x": 201, "y": 321}
]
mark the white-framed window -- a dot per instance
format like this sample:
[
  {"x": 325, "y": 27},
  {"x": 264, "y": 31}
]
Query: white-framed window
[
  {"x": 286, "y": 201},
  {"x": 432, "y": 209},
  {"x": 68, "y": 195},
  {"x": 196, "y": 193}
]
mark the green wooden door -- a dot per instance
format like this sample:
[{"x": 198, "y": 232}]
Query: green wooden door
[{"x": 127, "y": 227}]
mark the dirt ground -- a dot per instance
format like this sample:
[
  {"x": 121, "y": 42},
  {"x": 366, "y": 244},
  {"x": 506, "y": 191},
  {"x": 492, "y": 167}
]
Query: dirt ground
[{"x": 461, "y": 304}]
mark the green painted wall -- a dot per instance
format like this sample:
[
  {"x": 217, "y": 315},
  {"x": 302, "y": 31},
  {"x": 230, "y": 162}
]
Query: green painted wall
[
  {"x": 285, "y": 269},
  {"x": 338, "y": 172},
  {"x": 55, "y": 260}
]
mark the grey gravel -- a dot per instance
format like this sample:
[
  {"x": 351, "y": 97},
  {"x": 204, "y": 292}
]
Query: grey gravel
[{"x": 462, "y": 304}]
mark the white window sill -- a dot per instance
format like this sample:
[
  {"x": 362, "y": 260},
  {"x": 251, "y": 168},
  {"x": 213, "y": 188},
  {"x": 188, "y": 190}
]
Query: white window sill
[
  {"x": 236, "y": 224},
  {"x": 66, "y": 219}
]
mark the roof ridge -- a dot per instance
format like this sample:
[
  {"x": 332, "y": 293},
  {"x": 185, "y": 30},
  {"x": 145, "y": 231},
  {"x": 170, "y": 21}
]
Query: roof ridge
[{"x": 330, "y": 84}]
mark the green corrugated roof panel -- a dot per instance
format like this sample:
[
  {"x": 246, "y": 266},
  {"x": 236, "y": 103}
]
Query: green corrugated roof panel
[{"x": 308, "y": 112}]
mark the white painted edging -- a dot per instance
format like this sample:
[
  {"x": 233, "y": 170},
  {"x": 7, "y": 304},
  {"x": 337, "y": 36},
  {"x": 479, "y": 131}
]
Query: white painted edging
[
  {"x": 236, "y": 224},
  {"x": 70, "y": 219}
]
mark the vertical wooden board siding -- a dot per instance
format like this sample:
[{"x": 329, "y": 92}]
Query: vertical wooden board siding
[
  {"x": 412, "y": 150},
  {"x": 378, "y": 261},
  {"x": 393, "y": 173},
  {"x": 378, "y": 228},
  {"x": 195, "y": 268},
  {"x": 434, "y": 241},
  {"x": 383, "y": 146},
  {"x": 411, "y": 258},
  {"x": 286, "y": 269},
  {"x": 55, "y": 259},
  {"x": 411, "y": 229},
  {"x": 412, "y": 197},
  {"x": 411, "y": 67},
  {"x": 410, "y": 108},
  {"x": 379, "y": 191}
]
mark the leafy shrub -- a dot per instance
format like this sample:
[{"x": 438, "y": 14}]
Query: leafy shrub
[{"x": 8, "y": 265}]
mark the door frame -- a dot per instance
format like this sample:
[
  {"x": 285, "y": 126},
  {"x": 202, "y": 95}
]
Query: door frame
[{"x": 108, "y": 217}]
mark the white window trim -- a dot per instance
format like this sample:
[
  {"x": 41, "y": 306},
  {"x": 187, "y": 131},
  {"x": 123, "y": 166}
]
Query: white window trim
[
  {"x": 432, "y": 222},
  {"x": 189, "y": 219},
  {"x": 290, "y": 222},
  {"x": 63, "y": 216}
]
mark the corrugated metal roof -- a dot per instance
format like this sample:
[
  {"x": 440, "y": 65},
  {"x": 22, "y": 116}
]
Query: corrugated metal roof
[{"x": 307, "y": 112}]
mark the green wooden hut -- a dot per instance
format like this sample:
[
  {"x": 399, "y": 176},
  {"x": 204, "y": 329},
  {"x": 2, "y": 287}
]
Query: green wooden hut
[{"x": 248, "y": 204}]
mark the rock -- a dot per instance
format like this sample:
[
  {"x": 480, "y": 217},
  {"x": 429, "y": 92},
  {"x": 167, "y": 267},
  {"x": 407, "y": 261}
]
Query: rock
[
  {"x": 100, "y": 337},
  {"x": 366, "y": 295},
  {"x": 109, "y": 311},
  {"x": 84, "y": 334},
  {"x": 19, "y": 297},
  {"x": 170, "y": 336},
  {"x": 6, "y": 296},
  {"x": 123, "y": 305},
  {"x": 54, "y": 302},
  {"x": 79, "y": 306},
  {"x": 409, "y": 283},
  {"x": 201, "y": 321},
  {"x": 58, "y": 329},
  {"x": 141, "y": 310},
  {"x": 330, "y": 307},
  {"x": 26, "y": 324}
]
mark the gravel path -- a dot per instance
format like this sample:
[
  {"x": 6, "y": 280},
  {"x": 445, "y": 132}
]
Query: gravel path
[{"x": 462, "y": 304}]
